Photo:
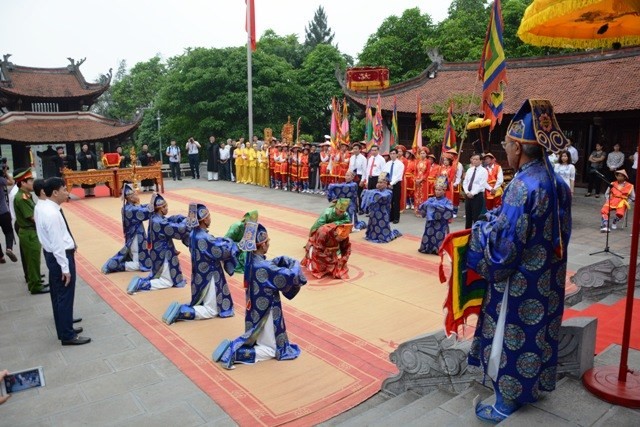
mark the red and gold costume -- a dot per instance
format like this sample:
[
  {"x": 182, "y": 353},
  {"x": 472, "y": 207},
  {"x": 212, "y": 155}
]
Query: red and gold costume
[
  {"x": 274, "y": 167},
  {"x": 343, "y": 166},
  {"x": 328, "y": 251},
  {"x": 325, "y": 177},
  {"x": 493, "y": 200},
  {"x": 423, "y": 167},
  {"x": 619, "y": 195},
  {"x": 410, "y": 180}
]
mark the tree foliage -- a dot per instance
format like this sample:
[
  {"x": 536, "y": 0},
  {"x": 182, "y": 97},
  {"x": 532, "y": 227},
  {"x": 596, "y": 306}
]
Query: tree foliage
[
  {"x": 318, "y": 30},
  {"x": 461, "y": 116},
  {"x": 399, "y": 44}
]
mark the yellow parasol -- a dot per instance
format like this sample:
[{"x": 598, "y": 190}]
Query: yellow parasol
[{"x": 581, "y": 24}]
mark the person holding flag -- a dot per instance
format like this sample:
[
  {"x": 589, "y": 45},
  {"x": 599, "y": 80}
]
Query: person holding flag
[{"x": 520, "y": 248}]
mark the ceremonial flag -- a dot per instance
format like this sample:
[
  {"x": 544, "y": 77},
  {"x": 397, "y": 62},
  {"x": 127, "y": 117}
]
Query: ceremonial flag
[
  {"x": 344, "y": 130},
  {"x": 393, "y": 139},
  {"x": 466, "y": 287},
  {"x": 493, "y": 68},
  {"x": 250, "y": 24},
  {"x": 417, "y": 136},
  {"x": 449, "y": 140},
  {"x": 334, "y": 123},
  {"x": 377, "y": 123},
  {"x": 368, "y": 125}
]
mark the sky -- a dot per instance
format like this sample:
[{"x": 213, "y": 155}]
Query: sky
[{"x": 43, "y": 33}]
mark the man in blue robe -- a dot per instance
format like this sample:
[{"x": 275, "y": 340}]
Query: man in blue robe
[
  {"x": 265, "y": 334},
  {"x": 347, "y": 190},
  {"x": 438, "y": 210},
  {"x": 134, "y": 255},
  {"x": 520, "y": 248},
  {"x": 165, "y": 268},
  {"x": 377, "y": 203},
  {"x": 211, "y": 257}
]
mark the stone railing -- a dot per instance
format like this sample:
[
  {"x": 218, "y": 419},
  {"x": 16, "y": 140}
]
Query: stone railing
[{"x": 433, "y": 361}]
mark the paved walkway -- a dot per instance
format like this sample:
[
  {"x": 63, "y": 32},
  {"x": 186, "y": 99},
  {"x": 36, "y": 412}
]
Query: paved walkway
[{"x": 120, "y": 378}]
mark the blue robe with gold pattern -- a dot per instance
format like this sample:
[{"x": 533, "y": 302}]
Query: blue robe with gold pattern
[
  {"x": 377, "y": 203},
  {"x": 132, "y": 218},
  {"x": 265, "y": 280},
  {"x": 162, "y": 231},
  {"x": 438, "y": 211},
  {"x": 516, "y": 249},
  {"x": 211, "y": 257},
  {"x": 347, "y": 190}
]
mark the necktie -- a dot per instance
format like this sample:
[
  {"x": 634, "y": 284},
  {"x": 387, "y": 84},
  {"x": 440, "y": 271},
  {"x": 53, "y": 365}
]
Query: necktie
[
  {"x": 391, "y": 172},
  {"x": 67, "y": 224},
  {"x": 373, "y": 160},
  {"x": 473, "y": 177}
]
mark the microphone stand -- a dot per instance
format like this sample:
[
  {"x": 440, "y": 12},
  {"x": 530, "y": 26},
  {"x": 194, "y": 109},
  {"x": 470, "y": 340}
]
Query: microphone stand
[{"x": 606, "y": 245}]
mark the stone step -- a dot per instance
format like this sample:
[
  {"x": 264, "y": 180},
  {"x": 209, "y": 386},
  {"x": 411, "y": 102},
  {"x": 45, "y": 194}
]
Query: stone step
[
  {"x": 382, "y": 410},
  {"x": 452, "y": 411},
  {"x": 372, "y": 402},
  {"x": 415, "y": 409}
]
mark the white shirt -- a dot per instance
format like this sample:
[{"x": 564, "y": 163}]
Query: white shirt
[
  {"x": 566, "y": 172},
  {"x": 499, "y": 177},
  {"x": 52, "y": 232},
  {"x": 378, "y": 166},
  {"x": 459, "y": 173},
  {"x": 225, "y": 152},
  {"x": 574, "y": 154},
  {"x": 192, "y": 147},
  {"x": 173, "y": 151},
  {"x": 358, "y": 164},
  {"x": 479, "y": 181},
  {"x": 12, "y": 197},
  {"x": 635, "y": 164},
  {"x": 398, "y": 171}
]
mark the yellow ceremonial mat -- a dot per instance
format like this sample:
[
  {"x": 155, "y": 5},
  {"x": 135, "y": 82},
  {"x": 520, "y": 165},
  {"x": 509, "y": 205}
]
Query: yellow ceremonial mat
[{"x": 345, "y": 328}]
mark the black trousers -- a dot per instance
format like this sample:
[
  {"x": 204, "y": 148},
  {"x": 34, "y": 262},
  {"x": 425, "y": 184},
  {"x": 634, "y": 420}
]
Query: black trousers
[
  {"x": 62, "y": 296},
  {"x": 5, "y": 224},
  {"x": 395, "y": 201},
  {"x": 473, "y": 207},
  {"x": 595, "y": 182},
  {"x": 175, "y": 170},
  {"x": 225, "y": 171},
  {"x": 313, "y": 177},
  {"x": 194, "y": 164}
]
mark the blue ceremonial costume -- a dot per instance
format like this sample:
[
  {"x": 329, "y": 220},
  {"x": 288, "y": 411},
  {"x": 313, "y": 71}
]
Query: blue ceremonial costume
[
  {"x": 438, "y": 211},
  {"x": 348, "y": 190},
  {"x": 377, "y": 203},
  {"x": 211, "y": 257},
  {"x": 520, "y": 248},
  {"x": 265, "y": 334},
  {"x": 133, "y": 255},
  {"x": 165, "y": 268}
]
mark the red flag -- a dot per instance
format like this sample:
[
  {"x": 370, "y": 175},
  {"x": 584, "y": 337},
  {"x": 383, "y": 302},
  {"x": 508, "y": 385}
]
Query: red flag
[
  {"x": 250, "y": 23},
  {"x": 417, "y": 136},
  {"x": 449, "y": 140},
  {"x": 493, "y": 68}
]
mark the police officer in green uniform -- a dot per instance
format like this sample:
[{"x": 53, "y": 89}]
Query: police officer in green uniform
[{"x": 31, "y": 248}]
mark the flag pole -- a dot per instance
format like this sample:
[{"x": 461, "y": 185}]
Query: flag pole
[{"x": 250, "y": 36}]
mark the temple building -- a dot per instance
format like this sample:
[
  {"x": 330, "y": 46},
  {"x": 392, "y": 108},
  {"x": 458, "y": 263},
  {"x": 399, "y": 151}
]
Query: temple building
[
  {"x": 595, "y": 95},
  {"x": 41, "y": 108}
]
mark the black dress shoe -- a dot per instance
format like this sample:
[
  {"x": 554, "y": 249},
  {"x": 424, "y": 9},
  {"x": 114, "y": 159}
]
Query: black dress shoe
[
  {"x": 11, "y": 255},
  {"x": 77, "y": 340},
  {"x": 76, "y": 320},
  {"x": 78, "y": 330},
  {"x": 41, "y": 291},
  {"x": 396, "y": 221}
]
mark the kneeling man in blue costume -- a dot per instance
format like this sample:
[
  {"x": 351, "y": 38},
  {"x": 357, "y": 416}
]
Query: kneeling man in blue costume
[
  {"x": 347, "y": 190},
  {"x": 377, "y": 203},
  {"x": 134, "y": 255},
  {"x": 165, "y": 269},
  {"x": 211, "y": 257},
  {"x": 265, "y": 334}
]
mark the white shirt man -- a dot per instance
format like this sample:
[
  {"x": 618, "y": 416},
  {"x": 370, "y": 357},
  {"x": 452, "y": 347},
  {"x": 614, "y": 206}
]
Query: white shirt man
[
  {"x": 357, "y": 162},
  {"x": 193, "y": 146},
  {"x": 12, "y": 196},
  {"x": 395, "y": 173},
  {"x": 474, "y": 184},
  {"x": 375, "y": 165},
  {"x": 572, "y": 152}
]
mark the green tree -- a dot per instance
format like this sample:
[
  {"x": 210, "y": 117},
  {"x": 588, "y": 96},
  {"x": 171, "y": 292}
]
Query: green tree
[
  {"x": 286, "y": 47},
  {"x": 138, "y": 88},
  {"x": 399, "y": 44},
  {"x": 460, "y": 37},
  {"x": 205, "y": 92},
  {"x": 463, "y": 105},
  {"x": 318, "y": 78},
  {"x": 318, "y": 30}
]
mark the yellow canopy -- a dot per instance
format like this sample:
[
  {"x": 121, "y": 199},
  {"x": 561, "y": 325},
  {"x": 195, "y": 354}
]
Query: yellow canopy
[{"x": 581, "y": 23}]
